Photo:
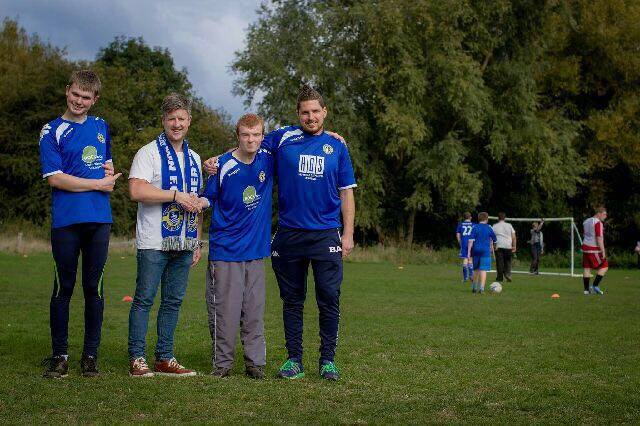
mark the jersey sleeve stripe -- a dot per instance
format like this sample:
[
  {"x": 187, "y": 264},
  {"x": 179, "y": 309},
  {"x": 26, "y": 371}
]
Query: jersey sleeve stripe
[
  {"x": 46, "y": 175},
  {"x": 348, "y": 186}
]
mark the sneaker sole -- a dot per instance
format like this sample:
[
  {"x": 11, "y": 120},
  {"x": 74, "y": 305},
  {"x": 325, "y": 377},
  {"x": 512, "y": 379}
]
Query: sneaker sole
[
  {"x": 48, "y": 376},
  {"x": 158, "y": 373},
  {"x": 297, "y": 376},
  {"x": 142, "y": 375}
]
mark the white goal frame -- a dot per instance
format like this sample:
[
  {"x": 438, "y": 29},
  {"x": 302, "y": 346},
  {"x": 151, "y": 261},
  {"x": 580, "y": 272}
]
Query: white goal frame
[{"x": 573, "y": 231}]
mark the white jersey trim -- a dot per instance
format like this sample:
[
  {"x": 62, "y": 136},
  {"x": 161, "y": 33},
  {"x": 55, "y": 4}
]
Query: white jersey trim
[
  {"x": 46, "y": 175},
  {"x": 288, "y": 134},
  {"x": 60, "y": 130},
  {"x": 226, "y": 167},
  {"x": 348, "y": 186}
]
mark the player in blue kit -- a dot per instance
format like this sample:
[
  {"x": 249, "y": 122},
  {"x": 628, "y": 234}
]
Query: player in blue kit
[
  {"x": 480, "y": 246},
  {"x": 315, "y": 191},
  {"x": 75, "y": 154},
  {"x": 240, "y": 194},
  {"x": 463, "y": 232}
]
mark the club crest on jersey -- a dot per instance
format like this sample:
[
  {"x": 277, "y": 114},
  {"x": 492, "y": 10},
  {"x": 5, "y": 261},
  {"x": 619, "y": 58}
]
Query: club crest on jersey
[
  {"x": 328, "y": 149},
  {"x": 89, "y": 154},
  {"x": 262, "y": 176},
  {"x": 101, "y": 137},
  {"x": 172, "y": 217}
]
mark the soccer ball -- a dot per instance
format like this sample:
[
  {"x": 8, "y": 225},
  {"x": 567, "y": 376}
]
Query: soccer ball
[{"x": 495, "y": 287}]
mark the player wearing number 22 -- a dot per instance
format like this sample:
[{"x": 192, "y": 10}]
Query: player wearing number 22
[{"x": 463, "y": 233}]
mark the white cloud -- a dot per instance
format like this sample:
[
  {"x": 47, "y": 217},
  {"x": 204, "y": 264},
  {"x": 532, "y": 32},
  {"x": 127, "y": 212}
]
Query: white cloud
[{"x": 202, "y": 36}]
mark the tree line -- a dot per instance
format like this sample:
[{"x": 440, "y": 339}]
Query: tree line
[{"x": 527, "y": 107}]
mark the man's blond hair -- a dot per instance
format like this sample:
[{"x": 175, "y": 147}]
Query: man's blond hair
[
  {"x": 174, "y": 101},
  {"x": 86, "y": 80}
]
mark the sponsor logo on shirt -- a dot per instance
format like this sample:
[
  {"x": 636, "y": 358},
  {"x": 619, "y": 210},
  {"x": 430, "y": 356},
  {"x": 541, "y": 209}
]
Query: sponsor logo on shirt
[
  {"x": 91, "y": 158},
  {"x": 311, "y": 166},
  {"x": 89, "y": 154},
  {"x": 101, "y": 137},
  {"x": 172, "y": 217},
  {"x": 250, "y": 197},
  {"x": 262, "y": 176},
  {"x": 67, "y": 132},
  {"x": 274, "y": 254},
  {"x": 328, "y": 149}
]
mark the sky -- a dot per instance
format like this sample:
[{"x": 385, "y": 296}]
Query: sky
[{"x": 202, "y": 35}]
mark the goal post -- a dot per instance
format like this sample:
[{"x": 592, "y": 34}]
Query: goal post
[{"x": 573, "y": 233}]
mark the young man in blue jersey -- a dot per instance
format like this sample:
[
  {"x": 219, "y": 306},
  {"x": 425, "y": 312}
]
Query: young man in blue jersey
[
  {"x": 75, "y": 154},
  {"x": 240, "y": 194},
  {"x": 164, "y": 179},
  {"x": 315, "y": 191},
  {"x": 479, "y": 248},
  {"x": 463, "y": 232}
]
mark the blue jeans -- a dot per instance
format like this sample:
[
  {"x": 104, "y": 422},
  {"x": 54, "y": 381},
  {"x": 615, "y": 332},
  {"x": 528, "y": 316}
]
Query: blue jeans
[{"x": 171, "y": 270}]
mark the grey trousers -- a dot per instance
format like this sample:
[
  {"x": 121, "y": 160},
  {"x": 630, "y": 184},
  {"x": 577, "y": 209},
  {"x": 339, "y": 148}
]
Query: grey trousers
[{"x": 235, "y": 295}]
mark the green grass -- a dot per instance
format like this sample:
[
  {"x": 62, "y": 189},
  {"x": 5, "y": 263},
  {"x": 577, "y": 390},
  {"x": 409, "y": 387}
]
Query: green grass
[{"x": 415, "y": 346}]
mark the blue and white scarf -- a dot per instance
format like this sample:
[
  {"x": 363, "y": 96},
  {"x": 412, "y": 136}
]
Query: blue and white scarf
[{"x": 173, "y": 215}]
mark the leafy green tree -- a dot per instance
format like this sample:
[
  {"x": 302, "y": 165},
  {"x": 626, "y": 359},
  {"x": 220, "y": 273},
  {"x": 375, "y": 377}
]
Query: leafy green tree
[{"x": 437, "y": 99}]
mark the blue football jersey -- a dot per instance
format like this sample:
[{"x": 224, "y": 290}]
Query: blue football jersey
[
  {"x": 311, "y": 169},
  {"x": 482, "y": 235},
  {"x": 77, "y": 149},
  {"x": 464, "y": 229},
  {"x": 240, "y": 197}
]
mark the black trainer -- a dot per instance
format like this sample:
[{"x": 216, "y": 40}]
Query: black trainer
[
  {"x": 57, "y": 367},
  {"x": 89, "y": 366},
  {"x": 221, "y": 372},
  {"x": 254, "y": 372}
]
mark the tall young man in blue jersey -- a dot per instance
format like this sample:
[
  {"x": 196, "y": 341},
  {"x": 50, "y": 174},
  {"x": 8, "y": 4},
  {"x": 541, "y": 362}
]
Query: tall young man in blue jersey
[
  {"x": 463, "y": 232},
  {"x": 315, "y": 191},
  {"x": 75, "y": 154},
  {"x": 480, "y": 246},
  {"x": 240, "y": 195}
]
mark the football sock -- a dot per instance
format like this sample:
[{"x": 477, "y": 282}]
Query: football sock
[
  {"x": 585, "y": 282},
  {"x": 464, "y": 273},
  {"x": 596, "y": 282},
  {"x": 470, "y": 269}
]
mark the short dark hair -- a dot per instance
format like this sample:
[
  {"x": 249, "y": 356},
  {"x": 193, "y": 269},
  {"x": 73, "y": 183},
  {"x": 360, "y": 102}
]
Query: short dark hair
[
  {"x": 501, "y": 216},
  {"x": 174, "y": 101},
  {"x": 467, "y": 216},
  {"x": 308, "y": 93},
  {"x": 482, "y": 216},
  {"x": 600, "y": 209},
  {"x": 86, "y": 80}
]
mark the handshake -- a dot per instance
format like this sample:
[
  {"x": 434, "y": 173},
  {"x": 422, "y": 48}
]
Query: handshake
[{"x": 191, "y": 202}]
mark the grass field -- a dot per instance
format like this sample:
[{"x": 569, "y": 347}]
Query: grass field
[{"x": 415, "y": 346}]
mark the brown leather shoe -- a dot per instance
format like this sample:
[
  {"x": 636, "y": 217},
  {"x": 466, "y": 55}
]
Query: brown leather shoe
[
  {"x": 139, "y": 368},
  {"x": 170, "y": 367}
]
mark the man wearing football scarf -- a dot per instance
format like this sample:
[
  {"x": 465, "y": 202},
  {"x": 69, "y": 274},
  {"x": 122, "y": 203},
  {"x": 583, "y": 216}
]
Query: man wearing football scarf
[{"x": 165, "y": 178}]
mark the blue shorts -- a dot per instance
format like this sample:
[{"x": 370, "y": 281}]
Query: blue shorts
[{"x": 481, "y": 263}]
